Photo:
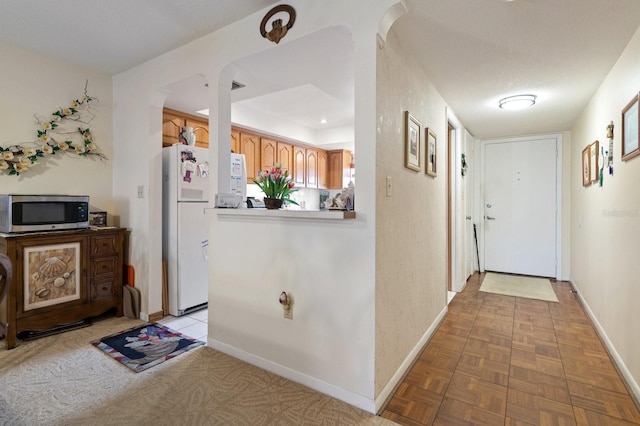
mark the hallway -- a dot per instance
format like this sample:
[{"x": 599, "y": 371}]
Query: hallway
[{"x": 502, "y": 360}]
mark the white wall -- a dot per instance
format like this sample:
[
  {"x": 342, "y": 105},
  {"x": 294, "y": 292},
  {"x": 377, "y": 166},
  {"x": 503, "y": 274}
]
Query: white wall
[
  {"x": 328, "y": 266},
  {"x": 34, "y": 85},
  {"x": 605, "y": 221},
  {"x": 411, "y": 246}
]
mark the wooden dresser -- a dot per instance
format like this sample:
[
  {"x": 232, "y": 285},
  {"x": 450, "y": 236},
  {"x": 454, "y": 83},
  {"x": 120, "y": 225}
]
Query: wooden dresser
[{"x": 61, "y": 278}]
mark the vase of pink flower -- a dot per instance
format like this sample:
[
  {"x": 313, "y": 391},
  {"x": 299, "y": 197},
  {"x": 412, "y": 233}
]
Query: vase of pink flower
[{"x": 276, "y": 185}]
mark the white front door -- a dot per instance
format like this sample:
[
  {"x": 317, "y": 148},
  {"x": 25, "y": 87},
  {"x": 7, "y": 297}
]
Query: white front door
[{"x": 520, "y": 206}]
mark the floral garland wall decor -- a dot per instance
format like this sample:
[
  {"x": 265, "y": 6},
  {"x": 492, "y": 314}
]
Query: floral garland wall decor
[{"x": 66, "y": 130}]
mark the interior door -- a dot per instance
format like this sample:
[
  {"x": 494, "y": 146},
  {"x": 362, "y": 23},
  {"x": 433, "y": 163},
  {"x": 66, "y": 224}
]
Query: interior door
[
  {"x": 471, "y": 262},
  {"x": 520, "y": 207}
]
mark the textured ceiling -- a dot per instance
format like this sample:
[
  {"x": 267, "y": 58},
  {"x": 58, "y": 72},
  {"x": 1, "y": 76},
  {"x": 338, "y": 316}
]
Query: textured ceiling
[
  {"x": 114, "y": 35},
  {"x": 474, "y": 51}
]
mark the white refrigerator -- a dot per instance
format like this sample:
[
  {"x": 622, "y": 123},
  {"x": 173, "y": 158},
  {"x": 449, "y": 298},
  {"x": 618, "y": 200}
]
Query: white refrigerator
[{"x": 185, "y": 233}]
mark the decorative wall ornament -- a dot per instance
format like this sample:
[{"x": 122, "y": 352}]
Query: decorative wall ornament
[
  {"x": 610, "y": 156},
  {"x": 463, "y": 164},
  {"x": 278, "y": 31},
  {"x": 66, "y": 130}
]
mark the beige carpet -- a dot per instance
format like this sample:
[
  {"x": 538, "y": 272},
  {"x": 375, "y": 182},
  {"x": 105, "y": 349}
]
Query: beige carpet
[
  {"x": 63, "y": 380},
  {"x": 519, "y": 286}
]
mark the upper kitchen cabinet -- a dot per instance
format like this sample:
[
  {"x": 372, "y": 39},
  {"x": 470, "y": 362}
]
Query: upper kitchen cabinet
[
  {"x": 312, "y": 168},
  {"x": 275, "y": 152},
  {"x": 173, "y": 120},
  {"x": 268, "y": 153},
  {"x": 251, "y": 148},
  {"x": 171, "y": 123},
  {"x": 339, "y": 168},
  {"x": 299, "y": 166},
  {"x": 285, "y": 155},
  {"x": 235, "y": 141},
  {"x": 308, "y": 167},
  {"x": 323, "y": 169},
  {"x": 200, "y": 128}
]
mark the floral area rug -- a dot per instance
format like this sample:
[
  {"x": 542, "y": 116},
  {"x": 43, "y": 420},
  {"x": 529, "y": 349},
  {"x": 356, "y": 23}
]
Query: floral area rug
[{"x": 144, "y": 346}]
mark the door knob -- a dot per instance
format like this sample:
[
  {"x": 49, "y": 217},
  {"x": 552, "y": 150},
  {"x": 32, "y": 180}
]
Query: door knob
[{"x": 490, "y": 218}]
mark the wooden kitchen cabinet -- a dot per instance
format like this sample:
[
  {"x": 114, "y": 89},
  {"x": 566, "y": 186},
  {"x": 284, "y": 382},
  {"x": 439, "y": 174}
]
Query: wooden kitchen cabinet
[
  {"x": 251, "y": 148},
  {"x": 311, "y": 168},
  {"x": 323, "y": 164},
  {"x": 200, "y": 130},
  {"x": 268, "y": 153},
  {"x": 299, "y": 166},
  {"x": 274, "y": 152},
  {"x": 173, "y": 120},
  {"x": 61, "y": 278},
  {"x": 339, "y": 168},
  {"x": 285, "y": 155},
  {"x": 235, "y": 141},
  {"x": 171, "y": 123}
]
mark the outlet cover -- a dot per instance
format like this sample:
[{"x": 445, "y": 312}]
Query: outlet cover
[{"x": 288, "y": 313}]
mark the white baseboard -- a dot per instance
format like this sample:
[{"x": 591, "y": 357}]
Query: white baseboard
[
  {"x": 351, "y": 398},
  {"x": 633, "y": 386},
  {"x": 387, "y": 391},
  {"x": 366, "y": 404}
]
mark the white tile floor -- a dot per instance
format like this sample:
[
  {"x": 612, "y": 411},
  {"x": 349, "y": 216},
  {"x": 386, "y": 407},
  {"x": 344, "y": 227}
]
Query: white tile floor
[{"x": 192, "y": 325}]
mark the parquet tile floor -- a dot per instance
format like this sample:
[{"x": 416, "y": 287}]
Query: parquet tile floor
[{"x": 502, "y": 360}]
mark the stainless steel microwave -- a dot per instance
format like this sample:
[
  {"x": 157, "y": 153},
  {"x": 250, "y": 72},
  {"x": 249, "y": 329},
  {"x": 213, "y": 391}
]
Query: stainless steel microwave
[{"x": 28, "y": 213}]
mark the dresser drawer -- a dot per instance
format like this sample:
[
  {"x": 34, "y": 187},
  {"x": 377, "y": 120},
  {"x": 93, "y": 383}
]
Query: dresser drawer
[
  {"x": 103, "y": 245},
  {"x": 103, "y": 289},
  {"x": 102, "y": 266}
]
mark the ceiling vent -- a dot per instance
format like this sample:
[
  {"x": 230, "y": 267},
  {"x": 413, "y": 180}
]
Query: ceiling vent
[{"x": 235, "y": 85}]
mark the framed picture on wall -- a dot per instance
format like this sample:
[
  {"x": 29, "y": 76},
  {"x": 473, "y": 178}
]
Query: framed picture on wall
[
  {"x": 630, "y": 129},
  {"x": 594, "y": 166},
  {"x": 411, "y": 142},
  {"x": 586, "y": 166},
  {"x": 431, "y": 148}
]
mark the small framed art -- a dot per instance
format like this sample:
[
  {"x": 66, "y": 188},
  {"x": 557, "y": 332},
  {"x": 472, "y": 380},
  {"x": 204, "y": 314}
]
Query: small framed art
[
  {"x": 586, "y": 166},
  {"x": 98, "y": 218},
  {"x": 594, "y": 167},
  {"x": 630, "y": 129},
  {"x": 431, "y": 148},
  {"x": 411, "y": 142}
]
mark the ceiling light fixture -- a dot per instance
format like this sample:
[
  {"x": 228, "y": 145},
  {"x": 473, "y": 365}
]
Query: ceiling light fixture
[
  {"x": 323, "y": 121},
  {"x": 517, "y": 101}
]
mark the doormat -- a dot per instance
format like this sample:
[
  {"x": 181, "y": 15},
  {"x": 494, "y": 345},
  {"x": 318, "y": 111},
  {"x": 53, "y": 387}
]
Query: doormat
[
  {"x": 146, "y": 345},
  {"x": 519, "y": 286}
]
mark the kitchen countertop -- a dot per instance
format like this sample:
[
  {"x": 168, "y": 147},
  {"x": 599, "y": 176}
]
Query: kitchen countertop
[{"x": 293, "y": 214}]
